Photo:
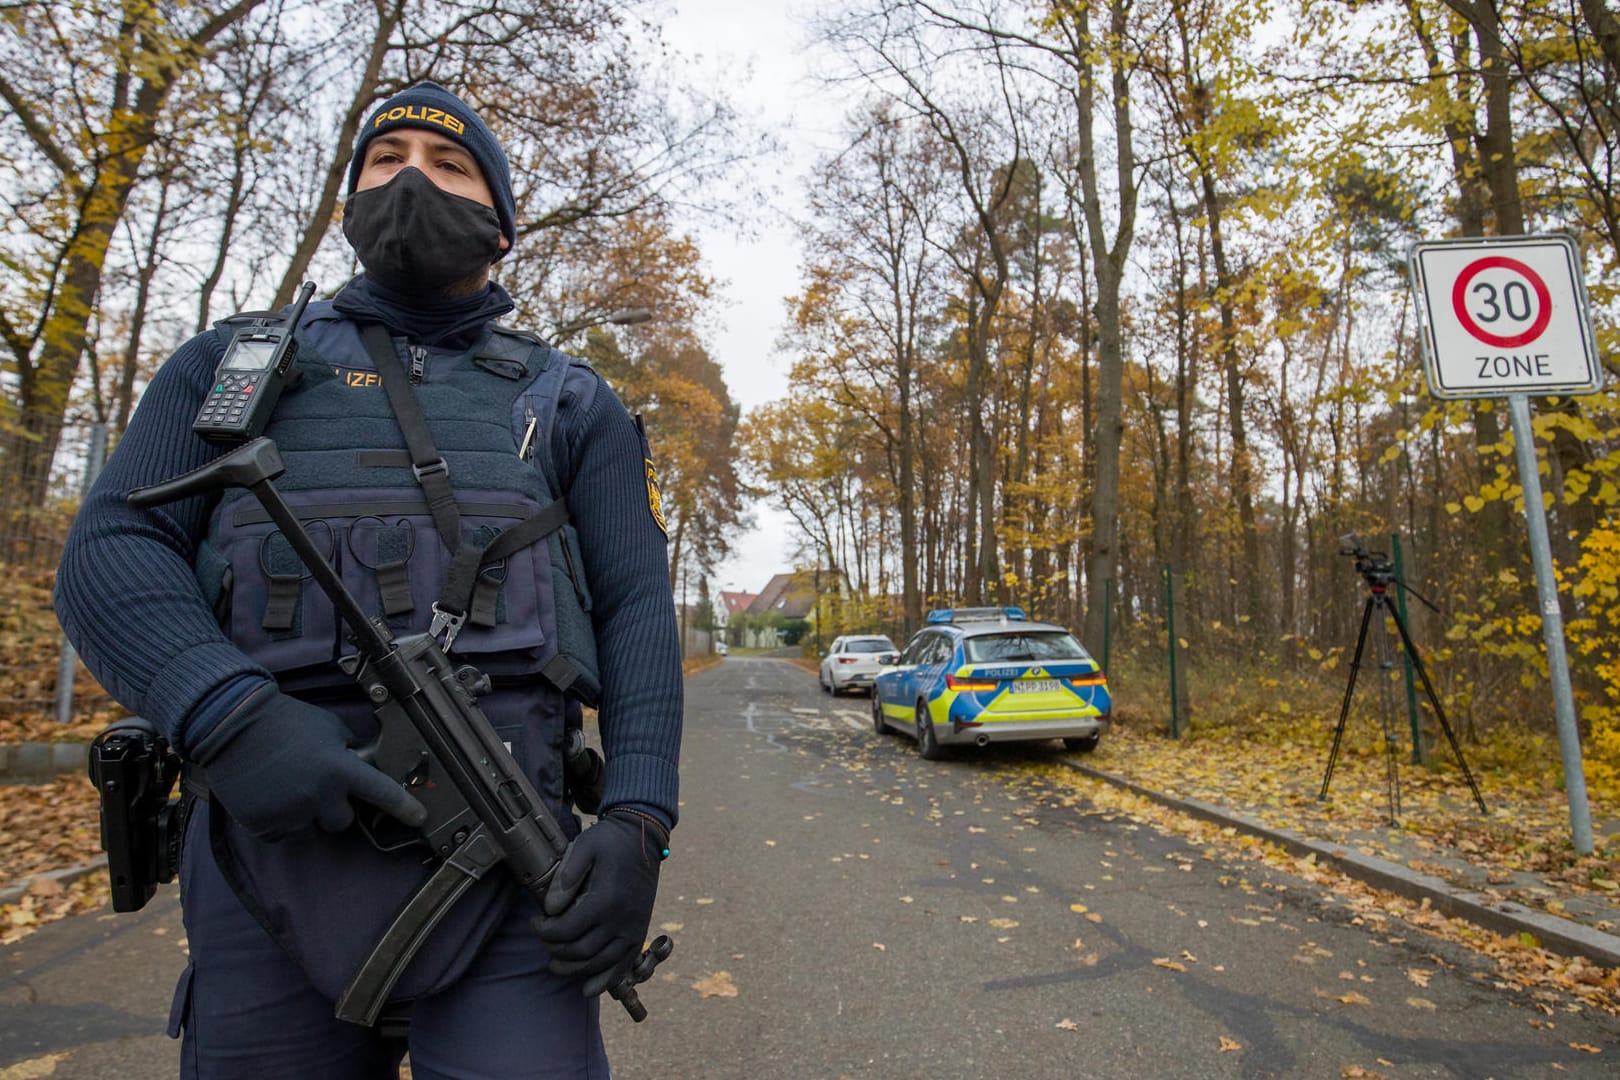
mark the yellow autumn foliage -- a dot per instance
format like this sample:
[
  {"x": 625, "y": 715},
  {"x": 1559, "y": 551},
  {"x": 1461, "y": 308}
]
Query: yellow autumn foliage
[{"x": 1594, "y": 639}]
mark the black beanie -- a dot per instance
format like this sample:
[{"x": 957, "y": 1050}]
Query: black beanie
[{"x": 429, "y": 106}]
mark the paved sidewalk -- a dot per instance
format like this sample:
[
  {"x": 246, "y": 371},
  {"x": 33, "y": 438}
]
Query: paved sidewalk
[{"x": 1586, "y": 927}]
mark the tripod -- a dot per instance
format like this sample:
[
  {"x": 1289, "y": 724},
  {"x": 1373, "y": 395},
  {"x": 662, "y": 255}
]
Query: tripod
[{"x": 1380, "y": 573}]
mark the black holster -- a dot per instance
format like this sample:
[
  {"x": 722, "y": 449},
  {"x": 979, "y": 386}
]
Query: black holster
[{"x": 134, "y": 769}]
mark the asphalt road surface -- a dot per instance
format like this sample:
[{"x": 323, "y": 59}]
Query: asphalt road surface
[{"x": 843, "y": 909}]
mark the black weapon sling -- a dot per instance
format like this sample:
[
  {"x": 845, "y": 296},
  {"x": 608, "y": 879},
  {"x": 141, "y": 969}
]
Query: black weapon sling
[{"x": 457, "y": 596}]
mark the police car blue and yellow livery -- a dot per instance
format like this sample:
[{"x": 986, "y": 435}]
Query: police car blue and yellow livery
[{"x": 983, "y": 675}]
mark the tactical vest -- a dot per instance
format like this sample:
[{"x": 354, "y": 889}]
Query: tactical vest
[{"x": 352, "y": 481}]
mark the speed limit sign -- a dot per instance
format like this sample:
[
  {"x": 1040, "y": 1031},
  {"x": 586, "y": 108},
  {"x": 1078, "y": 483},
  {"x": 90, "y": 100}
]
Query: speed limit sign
[{"x": 1504, "y": 316}]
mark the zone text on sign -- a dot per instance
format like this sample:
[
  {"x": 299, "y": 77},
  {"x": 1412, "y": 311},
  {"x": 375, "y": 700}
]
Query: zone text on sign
[{"x": 1515, "y": 366}]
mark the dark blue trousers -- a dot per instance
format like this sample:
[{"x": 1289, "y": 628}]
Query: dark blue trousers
[{"x": 248, "y": 1012}]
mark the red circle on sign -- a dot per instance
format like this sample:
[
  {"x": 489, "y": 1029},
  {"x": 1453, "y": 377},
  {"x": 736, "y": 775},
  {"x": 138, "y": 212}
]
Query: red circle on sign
[{"x": 1459, "y": 301}]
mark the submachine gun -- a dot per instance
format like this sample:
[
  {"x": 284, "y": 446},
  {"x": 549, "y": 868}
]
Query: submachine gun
[{"x": 433, "y": 739}]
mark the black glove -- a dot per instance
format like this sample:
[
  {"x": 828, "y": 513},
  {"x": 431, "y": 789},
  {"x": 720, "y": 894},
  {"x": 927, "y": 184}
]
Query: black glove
[
  {"x": 600, "y": 902},
  {"x": 279, "y": 765}
]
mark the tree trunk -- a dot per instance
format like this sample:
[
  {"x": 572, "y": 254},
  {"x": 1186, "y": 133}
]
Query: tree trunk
[
  {"x": 1242, "y": 465},
  {"x": 1108, "y": 262},
  {"x": 1016, "y": 511},
  {"x": 233, "y": 206},
  {"x": 1468, "y": 172},
  {"x": 1109, "y": 429},
  {"x": 1199, "y": 117},
  {"x": 1606, "y": 28},
  {"x": 124, "y": 400}
]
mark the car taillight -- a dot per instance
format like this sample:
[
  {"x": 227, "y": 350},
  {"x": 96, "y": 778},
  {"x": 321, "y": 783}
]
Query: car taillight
[
  {"x": 966, "y": 682},
  {"x": 848, "y": 659},
  {"x": 1094, "y": 679}
]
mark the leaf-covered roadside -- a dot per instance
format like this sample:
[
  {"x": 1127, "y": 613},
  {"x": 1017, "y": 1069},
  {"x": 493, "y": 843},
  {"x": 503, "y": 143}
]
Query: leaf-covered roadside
[
  {"x": 1553, "y": 981},
  {"x": 1520, "y": 850},
  {"x": 46, "y": 827}
]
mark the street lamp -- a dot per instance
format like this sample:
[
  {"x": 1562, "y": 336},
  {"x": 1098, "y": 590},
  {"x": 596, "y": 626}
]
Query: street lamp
[
  {"x": 722, "y": 611},
  {"x": 623, "y": 317},
  {"x": 818, "y": 606}
]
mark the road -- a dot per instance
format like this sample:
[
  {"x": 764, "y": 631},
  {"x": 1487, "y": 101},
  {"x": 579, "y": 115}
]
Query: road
[{"x": 843, "y": 909}]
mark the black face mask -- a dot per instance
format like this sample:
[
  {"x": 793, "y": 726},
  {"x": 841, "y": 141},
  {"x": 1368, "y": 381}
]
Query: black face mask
[{"x": 416, "y": 239}]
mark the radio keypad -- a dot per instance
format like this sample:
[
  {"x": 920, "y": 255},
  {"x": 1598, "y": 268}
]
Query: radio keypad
[{"x": 229, "y": 398}]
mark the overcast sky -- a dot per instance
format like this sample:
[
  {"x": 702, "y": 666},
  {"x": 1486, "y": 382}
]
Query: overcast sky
[{"x": 757, "y": 50}]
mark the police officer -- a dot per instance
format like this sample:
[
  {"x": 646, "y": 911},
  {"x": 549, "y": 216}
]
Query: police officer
[{"x": 197, "y": 616}]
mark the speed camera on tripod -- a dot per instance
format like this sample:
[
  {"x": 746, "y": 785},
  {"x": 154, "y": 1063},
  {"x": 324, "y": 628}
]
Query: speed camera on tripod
[
  {"x": 1376, "y": 566},
  {"x": 1378, "y": 570}
]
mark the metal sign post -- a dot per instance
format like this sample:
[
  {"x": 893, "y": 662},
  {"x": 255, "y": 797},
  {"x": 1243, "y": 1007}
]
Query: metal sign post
[{"x": 1507, "y": 317}]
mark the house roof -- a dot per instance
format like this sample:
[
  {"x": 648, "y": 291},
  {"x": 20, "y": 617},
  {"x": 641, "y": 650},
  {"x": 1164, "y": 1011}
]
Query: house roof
[
  {"x": 770, "y": 594},
  {"x": 736, "y": 601},
  {"x": 793, "y": 595}
]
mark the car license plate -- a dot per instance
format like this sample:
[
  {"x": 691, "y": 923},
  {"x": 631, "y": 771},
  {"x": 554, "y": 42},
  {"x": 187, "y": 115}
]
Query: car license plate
[{"x": 1034, "y": 686}]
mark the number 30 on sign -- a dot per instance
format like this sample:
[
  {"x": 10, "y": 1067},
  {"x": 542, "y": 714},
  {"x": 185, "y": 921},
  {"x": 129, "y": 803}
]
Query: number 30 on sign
[{"x": 1504, "y": 315}]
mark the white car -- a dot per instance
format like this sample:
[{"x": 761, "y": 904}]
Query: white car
[
  {"x": 854, "y": 660},
  {"x": 720, "y": 648}
]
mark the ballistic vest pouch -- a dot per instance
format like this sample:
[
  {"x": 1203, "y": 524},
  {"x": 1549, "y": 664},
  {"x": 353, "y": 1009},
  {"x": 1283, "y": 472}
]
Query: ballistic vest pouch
[
  {"x": 386, "y": 550},
  {"x": 285, "y": 573}
]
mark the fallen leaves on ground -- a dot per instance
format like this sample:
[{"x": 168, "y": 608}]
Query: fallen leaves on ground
[
  {"x": 1519, "y": 851},
  {"x": 46, "y": 901},
  {"x": 47, "y": 827},
  {"x": 717, "y": 985},
  {"x": 1518, "y": 964},
  {"x": 34, "y": 1068},
  {"x": 43, "y": 828}
]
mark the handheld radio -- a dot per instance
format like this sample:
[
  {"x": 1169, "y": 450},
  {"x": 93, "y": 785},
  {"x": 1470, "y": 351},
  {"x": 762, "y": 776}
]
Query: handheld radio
[{"x": 251, "y": 377}]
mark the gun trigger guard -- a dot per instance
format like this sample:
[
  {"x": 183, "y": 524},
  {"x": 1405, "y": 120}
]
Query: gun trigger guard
[
  {"x": 446, "y": 622},
  {"x": 367, "y": 751}
]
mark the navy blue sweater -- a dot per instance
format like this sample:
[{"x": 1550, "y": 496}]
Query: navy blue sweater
[{"x": 128, "y": 601}]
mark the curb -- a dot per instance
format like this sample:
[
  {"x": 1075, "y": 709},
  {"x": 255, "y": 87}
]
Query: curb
[
  {"x": 1558, "y": 935},
  {"x": 38, "y": 762},
  {"x": 10, "y": 894}
]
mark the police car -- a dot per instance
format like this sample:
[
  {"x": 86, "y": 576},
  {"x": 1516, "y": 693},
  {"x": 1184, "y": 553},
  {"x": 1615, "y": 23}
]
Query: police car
[{"x": 974, "y": 676}]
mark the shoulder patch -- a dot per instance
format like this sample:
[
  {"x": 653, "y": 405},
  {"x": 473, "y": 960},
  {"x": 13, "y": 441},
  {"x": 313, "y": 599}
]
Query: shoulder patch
[
  {"x": 655, "y": 493},
  {"x": 655, "y": 499}
]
